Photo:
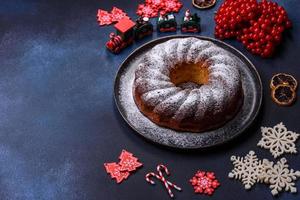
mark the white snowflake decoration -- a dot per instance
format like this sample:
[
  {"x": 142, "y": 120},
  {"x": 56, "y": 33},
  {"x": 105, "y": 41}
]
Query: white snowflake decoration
[
  {"x": 278, "y": 140},
  {"x": 279, "y": 176},
  {"x": 246, "y": 169}
]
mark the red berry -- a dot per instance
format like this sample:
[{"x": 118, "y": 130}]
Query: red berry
[
  {"x": 255, "y": 37},
  {"x": 258, "y": 26},
  {"x": 288, "y": 24},
  {"x": 268, "y": 37},
  {"x": 261, "y": 34}
]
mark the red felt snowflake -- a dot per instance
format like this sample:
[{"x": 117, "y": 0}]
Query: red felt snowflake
[
  {"x": 114, "y": 170},
  {"x": 151, "y": 7},
  {"x": 158, "y": 4},
  {"x": 172, "y": 6},
  {"x": 204, "y": 182},
  {"x": 104, "y": 17},
  {"x": 145, "y": 10},
  {"x": 118, "y": 14},
  {"x": 128, "y": 162}
]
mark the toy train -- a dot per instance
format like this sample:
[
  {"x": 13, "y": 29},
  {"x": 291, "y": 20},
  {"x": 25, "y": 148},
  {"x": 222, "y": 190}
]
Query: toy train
[{"x": 127, "y": 31}]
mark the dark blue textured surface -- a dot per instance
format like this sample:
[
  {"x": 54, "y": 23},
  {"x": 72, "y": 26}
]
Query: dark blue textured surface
[{"x": 59, "y": 124}]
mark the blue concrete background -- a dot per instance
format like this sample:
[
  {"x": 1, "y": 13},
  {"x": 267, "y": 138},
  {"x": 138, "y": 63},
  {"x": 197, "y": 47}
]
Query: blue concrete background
[{"x": 59, "y": 123}]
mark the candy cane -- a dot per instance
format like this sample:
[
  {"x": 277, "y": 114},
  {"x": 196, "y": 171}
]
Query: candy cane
[{"x": 160, "y": 177}]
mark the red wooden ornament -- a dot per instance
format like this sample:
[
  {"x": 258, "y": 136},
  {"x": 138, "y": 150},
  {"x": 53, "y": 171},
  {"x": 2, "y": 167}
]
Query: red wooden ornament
[
  {"x": 204, "y": 182},
  {"x": 128, "y": 162},
  {"x": 114, "y": 170},
  {"x": 120, "y": 171},
  {"x": 118, "y": 14},
  {"x": 104, "y": 17}
]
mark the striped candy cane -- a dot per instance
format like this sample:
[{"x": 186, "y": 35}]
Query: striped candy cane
[{"x": 160, "y": 177}]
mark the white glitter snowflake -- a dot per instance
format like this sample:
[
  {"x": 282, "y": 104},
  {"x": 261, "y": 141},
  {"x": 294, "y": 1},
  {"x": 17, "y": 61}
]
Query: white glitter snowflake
[
  {"x": 246, "y": 169},
  {"x": 278, "y": 140},
  {"x": 279, "y": 176}
]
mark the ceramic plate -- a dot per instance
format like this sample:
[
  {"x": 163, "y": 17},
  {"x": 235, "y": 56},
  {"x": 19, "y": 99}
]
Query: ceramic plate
[{"x": 252, "y": 88}]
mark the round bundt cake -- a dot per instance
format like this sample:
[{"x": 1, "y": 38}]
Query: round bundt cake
[{"x": 188, "y": 84}]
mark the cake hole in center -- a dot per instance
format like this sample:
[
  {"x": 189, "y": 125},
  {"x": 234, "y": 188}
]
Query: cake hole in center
[{"x": 189, "y": 75}]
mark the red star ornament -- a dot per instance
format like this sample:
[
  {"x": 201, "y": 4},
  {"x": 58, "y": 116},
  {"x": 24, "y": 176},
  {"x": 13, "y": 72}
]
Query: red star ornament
[
  {"x": 128, "y": 162},
  {"x": 204, "y": 182},
  {"x": 172, "y": 6},
  {"x": 104, "y": 17},
  {"x": 114, "y": 170},
  {"x": 118, "y": 14},
  {"x": 147, "y": 11}
]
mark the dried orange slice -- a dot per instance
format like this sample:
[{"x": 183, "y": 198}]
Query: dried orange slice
[
  {"x": 283, "y": 95},
  {"x": 283, "y": 79},
  {"x": 203, "y": 4}
]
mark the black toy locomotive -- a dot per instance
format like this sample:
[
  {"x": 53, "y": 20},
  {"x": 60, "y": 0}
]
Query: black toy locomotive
[{"x": 127, "y": 31}]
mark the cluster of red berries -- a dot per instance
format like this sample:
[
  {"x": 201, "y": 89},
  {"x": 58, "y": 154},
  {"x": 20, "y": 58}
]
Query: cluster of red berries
[{"x": 258, "y": 25}]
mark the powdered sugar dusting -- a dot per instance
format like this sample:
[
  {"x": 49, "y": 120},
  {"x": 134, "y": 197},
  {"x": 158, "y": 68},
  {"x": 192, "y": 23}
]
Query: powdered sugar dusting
[
  {"x": 173, "y": 138},
  {"x": 183, "y": 47},
  {"x": 205, "y": 102},
  {"x": 171, "y": 52},
  {"x": 209, "y": 52},
  {"x": 221, "y": 59},
  {"x": 188, "y": 50},
  {"x": 144, "y": 85},
  {"x": 196, "y": 49},
  {"x": 155, "y": 97},
  {"x": 168, "y": 107},
  {"x": 188, "y": 108},
  {"x": 152, "y": 73}
]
